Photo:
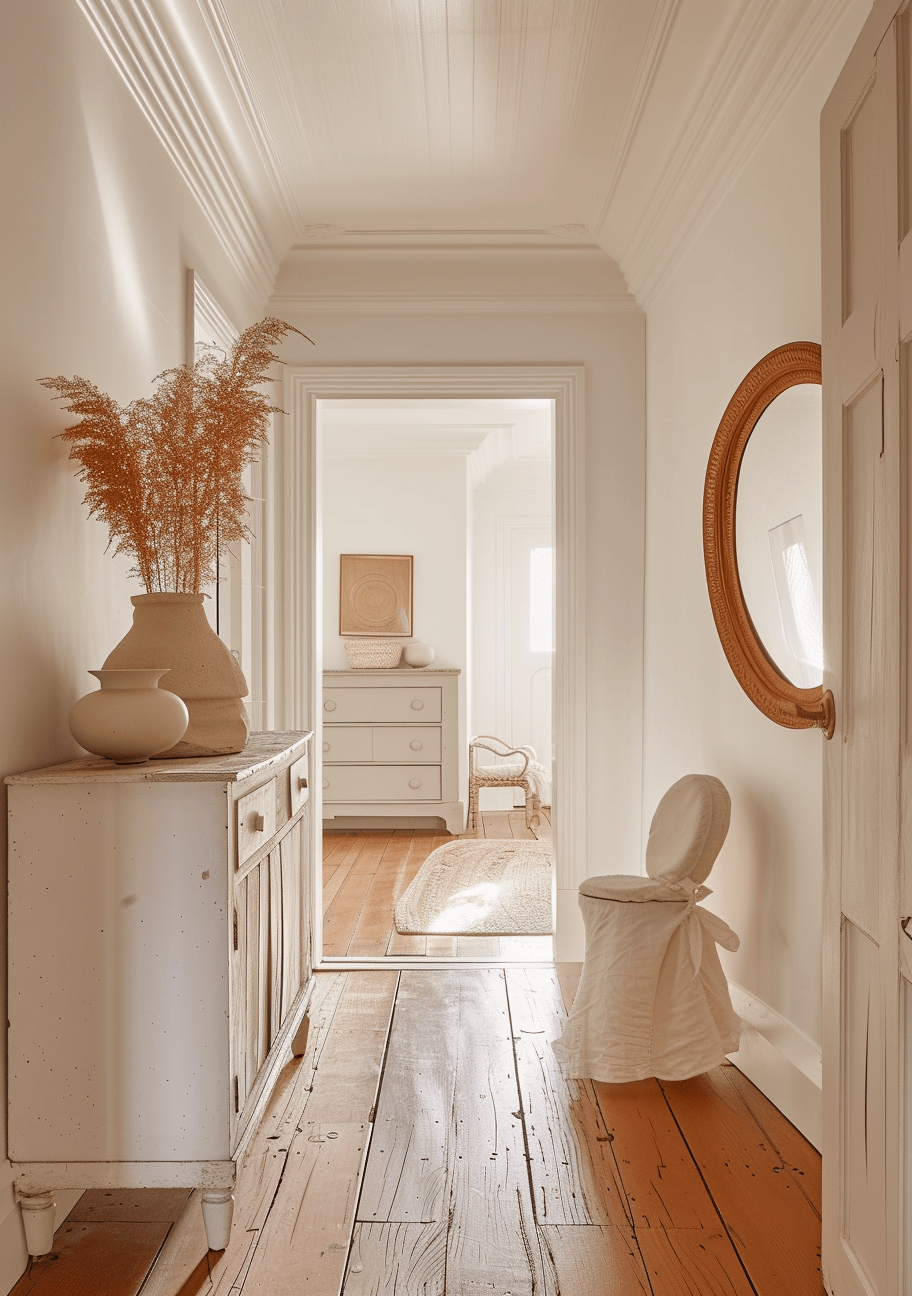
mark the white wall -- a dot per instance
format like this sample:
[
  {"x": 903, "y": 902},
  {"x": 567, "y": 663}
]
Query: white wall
[
  {"x": 516, "y": 491},
  {"x": 458, "y": 317},
  {"x": 749, "y": 283},
  {"x": 97, "y": 235},
  {"x": 397, "y": 505}
]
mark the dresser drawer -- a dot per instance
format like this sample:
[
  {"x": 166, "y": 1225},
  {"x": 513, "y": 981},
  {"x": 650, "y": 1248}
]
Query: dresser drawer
[
  {"x": 381, "y": 783},
  {"x": 407, "y": 743},
  {"x": 299, "y": 783},
  {"x": 256, "y": 820},
  {"x": 347, "y": 744},
  {"x": 381, "y": 705}
]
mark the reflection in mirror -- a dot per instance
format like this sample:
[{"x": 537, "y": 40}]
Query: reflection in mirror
[{"x": 779, "y": 532}]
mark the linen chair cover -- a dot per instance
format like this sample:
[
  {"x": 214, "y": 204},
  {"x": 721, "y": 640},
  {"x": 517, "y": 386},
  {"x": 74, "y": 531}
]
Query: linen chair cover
[{"x": 653, "y": 999}]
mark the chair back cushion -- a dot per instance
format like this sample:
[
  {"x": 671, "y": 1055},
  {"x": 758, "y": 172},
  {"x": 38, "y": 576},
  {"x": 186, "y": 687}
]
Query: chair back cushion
[{"x": 688, "y": 829}]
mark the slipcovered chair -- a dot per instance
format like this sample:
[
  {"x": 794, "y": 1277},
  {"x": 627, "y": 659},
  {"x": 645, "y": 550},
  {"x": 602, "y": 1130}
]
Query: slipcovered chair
[
  {"x": 520, "y": 768},
  {"x": 653, "y": 999}
]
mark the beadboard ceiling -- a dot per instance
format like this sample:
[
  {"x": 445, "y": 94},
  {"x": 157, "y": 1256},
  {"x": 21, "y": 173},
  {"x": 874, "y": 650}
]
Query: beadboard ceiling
[{"x": 613, "y": 123}]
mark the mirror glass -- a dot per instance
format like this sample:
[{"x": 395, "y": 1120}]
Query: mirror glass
[{"x": 779, "y": 532}]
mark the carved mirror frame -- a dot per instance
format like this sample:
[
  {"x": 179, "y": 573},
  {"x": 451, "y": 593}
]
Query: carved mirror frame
[{"x": 756, "y": 672}]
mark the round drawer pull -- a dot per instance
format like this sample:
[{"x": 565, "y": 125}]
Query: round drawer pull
[
  {"x": 414, "y": 783},
  {"x": 417, "y": 705},
  {"x": 329, "y": 706},
  {"x": 415, "y": 745},
  {"x": 326, "y": 746},
  {"x": 326, "y": 783}
]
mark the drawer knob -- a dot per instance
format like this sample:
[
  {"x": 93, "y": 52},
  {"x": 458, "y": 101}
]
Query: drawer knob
[
  {"x": 329, "y": 706},
  {"x": 302, "y": 782},
  {"x": 326, "y": 783},
  {"x": 326, "y": 746},
  {"x": 415, "y": 745},
  {"x": 417, "y": 705},
  {"x": 414, "y": 783},
  {"x": 257, "y": 822}
]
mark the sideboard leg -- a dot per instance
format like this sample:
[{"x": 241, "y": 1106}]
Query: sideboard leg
[
  {"x": 218, "y": 1208},
  {"x": 38, "y": 1213}
]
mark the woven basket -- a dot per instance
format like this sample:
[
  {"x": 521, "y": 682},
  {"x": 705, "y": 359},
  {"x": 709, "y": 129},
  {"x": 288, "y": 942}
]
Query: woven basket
[{"x": 364, "y": 654}]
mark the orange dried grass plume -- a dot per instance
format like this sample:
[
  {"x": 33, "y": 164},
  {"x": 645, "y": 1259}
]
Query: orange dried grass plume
[{"x": 164, "y": 472}]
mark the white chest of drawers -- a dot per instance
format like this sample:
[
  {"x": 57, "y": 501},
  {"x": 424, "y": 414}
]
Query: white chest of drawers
[
  {"x": 391, "y": 745},
  {"x": 161, "y": 923}
]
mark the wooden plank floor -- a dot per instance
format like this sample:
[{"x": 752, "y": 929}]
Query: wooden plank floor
[
  {"x": 365, "y": 873},
  {"x": 427, "y": 1145}
]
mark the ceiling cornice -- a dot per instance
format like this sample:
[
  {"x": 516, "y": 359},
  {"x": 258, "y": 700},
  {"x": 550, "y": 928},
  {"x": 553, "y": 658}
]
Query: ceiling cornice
[
  {"x": 663, "y": 19},
  {"x": 454, "y": 303},
  {"x": 755, "y": 74},
  {"x": 232, "y": 60},
  {"x": 155, "y": 70}
]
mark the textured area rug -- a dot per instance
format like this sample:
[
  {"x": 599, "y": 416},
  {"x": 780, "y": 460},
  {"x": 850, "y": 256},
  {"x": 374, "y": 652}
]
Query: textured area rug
[{"x": 480, "y": 888}]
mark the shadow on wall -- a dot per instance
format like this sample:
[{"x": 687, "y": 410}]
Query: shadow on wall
[{"x": 759, "y": 853}]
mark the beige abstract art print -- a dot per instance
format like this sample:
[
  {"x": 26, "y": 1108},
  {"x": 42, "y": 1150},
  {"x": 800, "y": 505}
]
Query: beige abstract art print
[{"x": 375, "y": 594}]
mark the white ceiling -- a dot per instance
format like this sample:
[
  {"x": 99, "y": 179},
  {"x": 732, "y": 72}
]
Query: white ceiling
[
  {"x": 346, "y": 122},
  {"x": 501, "y": 439}
]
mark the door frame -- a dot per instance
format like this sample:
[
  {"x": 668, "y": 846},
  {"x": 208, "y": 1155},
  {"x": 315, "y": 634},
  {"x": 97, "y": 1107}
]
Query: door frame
[{"x": 295, "y": 584}]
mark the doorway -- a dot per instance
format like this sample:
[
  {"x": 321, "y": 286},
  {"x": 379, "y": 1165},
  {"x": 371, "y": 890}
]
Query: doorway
[
  {"x": 295, "y": 480},
  {"x": 457, "y": 495}
]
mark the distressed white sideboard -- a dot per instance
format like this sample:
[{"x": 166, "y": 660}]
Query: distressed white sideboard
[
  {"x": 160, "y": 954},
  {"x": 391, "y": 744}
]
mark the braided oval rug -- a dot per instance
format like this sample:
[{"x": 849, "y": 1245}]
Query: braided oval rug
[{"x": 480, "y": 887}]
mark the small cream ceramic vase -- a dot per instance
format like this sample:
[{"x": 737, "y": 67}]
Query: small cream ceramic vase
[
  {"x": 129, "y": 718},
  {"x": 172, "y": 628},
  {"x": 417, "y": 653}
]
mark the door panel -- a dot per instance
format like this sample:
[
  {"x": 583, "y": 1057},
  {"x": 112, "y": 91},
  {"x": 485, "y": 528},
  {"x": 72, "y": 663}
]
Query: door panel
[{"x": 865, "y": 208}]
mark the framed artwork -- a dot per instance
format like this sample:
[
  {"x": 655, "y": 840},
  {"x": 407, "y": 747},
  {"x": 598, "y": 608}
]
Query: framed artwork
[{"x": 375, "y": 595}]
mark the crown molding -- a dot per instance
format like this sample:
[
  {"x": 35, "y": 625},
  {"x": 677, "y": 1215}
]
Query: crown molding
[
  {"x": 235, "y": 67},
  {"x": 663, "y": 20},
  {"x": 154, "y": 70},
  {"x": 754, "y": 76},
  {"x": 453, "y": 303}
]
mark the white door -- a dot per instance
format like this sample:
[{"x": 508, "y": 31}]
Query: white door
[
  {"x": 867, "y": 336},
  {"x": 529, "y": 639}
]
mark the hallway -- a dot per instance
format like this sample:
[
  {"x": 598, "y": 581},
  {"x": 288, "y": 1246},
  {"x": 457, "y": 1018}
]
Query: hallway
[{"x": 426, "y": 1145}]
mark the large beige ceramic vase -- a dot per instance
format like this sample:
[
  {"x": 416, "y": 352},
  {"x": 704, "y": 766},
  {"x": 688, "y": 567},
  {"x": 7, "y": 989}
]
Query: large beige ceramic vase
[{"x": 171, "y": 630}]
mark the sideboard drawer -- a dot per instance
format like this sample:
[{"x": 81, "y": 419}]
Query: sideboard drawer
[
  {"x": 407, "y": 743},
  {"x": 381, "y": 783},
  {"x": 299, "y": 783},
  {"x": 256, "y": 820},
  {"x": 347, "y": 744},
  {"x": 381, "y": 705}
]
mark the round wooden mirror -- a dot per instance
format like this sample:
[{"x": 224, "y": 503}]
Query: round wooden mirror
[{"x": 762, "y": 540}]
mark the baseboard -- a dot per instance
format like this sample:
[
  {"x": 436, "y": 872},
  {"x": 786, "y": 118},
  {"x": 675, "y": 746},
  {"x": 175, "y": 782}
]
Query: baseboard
[
  {"x": 782, "y": 1061},
  {"x": 13, "y": 1253}
]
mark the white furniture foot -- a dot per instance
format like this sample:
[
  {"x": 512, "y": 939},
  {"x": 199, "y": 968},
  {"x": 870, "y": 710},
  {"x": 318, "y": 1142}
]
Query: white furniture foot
[
  {"x": 218, "y": 1208},
  {"x": 38, "y": 1214}
]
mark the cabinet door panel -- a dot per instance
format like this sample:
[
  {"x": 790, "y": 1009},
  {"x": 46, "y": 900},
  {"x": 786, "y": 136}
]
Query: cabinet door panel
[
  {"x": 291, "y": 916},
  {"x": 239, "y": 992},
  {"x": 275, "y": 942}
]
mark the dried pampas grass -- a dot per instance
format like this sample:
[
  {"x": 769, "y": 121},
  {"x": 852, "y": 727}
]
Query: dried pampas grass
[{"x": 164, "y": 473}]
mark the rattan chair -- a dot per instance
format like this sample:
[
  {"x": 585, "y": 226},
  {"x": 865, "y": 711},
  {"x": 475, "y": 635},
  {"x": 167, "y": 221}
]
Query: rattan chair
[{"x": 523, "y": 771}]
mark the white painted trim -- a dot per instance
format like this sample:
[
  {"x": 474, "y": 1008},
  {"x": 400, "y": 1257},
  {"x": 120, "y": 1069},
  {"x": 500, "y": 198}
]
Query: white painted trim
[
  {"x": 453, "y": 303},
  {"x": 783, "y": 1062},
  {"x": 206, "y": 322},
  {"x": 155, "y": 71},
  {"x": 755, "y": 73},
  {"x": 295, "y": 594},
  {"x": 232, "y": 60}
]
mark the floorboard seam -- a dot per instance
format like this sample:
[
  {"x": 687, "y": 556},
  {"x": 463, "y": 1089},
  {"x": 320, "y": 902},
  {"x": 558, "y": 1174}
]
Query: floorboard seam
[
  {"x": 728, "y": 1232},
  {"x": 370, "y": 1134}
]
